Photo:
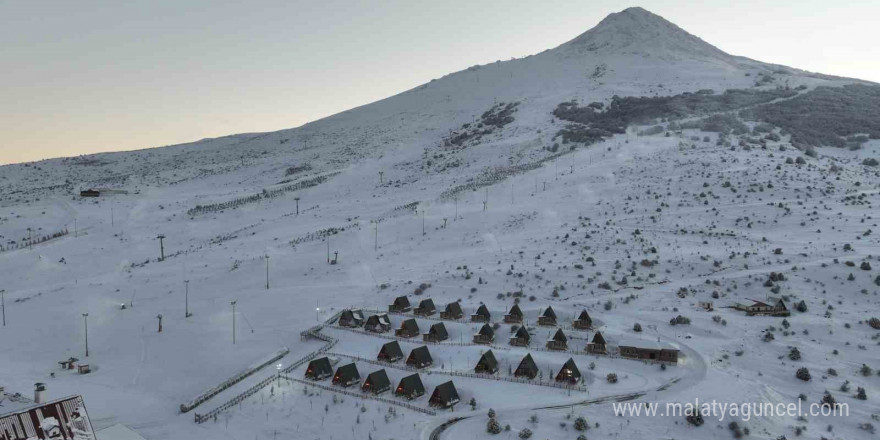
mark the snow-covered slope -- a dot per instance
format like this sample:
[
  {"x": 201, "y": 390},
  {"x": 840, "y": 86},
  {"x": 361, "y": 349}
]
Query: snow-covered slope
[{"x": 465, "y": 185}]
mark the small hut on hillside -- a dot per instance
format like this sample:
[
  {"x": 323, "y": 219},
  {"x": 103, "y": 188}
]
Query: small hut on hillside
[
  {"x": 487, "y": 364},
  {"x": 521, "y": 338},
  {"x": 444, "y": 396},
  {"x": 400, "y": 305},
  {"x": 319, "y": 369},
  {"x": 486, "y": 335},
  {"x": 548, "y": 317},
  {"x": 514, "y": 316},
  {"x": 452, "y": 312},
  {"x": 584, "y": 322},
  {"x": 559, "y": 341},
  {"x": 378, "y": 323},
  {"x": 481, "y": 315},
  {"x": 376, "y": 383},
  {"x": 408, "y": 328},
  {"x": 598, "y": 345},
  {"x": 426, "y": 308},
  {"x": 390, "y": 352},
  {"x": 410, "y": 387},
  {"x": 436, "y": 333},
  {"x": 420, "y": 357},
  {"x": 347, "y": 375},
  {"x": 527, "y": 368},
  {"x": 569, "y": 373}
]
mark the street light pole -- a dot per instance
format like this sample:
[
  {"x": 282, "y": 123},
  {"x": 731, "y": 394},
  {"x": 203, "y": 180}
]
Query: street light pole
[
  {"x": 297, "y": 205},
  {"x": 3, "y": 304},
  {"x": 267, "y": 272},
  {"x": 161, "y": 238},
  {"x": 86, "y": 320},
  {"x": 186, "y": 282},
  {"x": 233, "y": 321}
]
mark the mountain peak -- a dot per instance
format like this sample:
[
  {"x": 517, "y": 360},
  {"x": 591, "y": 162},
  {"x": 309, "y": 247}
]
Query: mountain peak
[{"x": 636, "y": 30}]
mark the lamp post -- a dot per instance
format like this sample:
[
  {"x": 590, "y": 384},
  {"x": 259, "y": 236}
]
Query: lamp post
[
  {"x": 297, "y": 205},
  {"x": 188, "y": 314},
  {"x": 233, "y": 321},
  {"x": 30, "y": 239},
  {"x": 161, "y": 238},
  {"x": 86, "y": 321},
  {"x": 3, "y": 304},
  {"x": 267, "y": 271}
]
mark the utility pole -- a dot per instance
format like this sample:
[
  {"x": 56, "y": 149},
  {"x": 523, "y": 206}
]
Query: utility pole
[
  {"x": 423, "y": 221},
  {"x": 30, "y": 239},
  {"x": 75, "y": 231},
  {"x": 159, "y": 317},
  {"x": 456, "y": 208},
  {"x": 317, "y": 311},
  {"x": 376, "y": 239},
  {"x": 188, "y": 314},
  {"x": 233, "y": 321},
  {"x": 267, "y": 271},
  {"x": 3, "y": 304},
  {"x": 381, "y": 177},
  {"x": 297, "y": 205},
  {"x": 86, "y": 320},
  {"x": 112, "y": 218},
  {"x": 161, "y": 238},
  {"x": 328, "y": 249}
]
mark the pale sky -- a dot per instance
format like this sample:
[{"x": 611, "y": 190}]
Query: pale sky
[{"x": 90, "y": 76}]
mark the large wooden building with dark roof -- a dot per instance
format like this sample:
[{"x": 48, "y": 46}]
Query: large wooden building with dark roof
[
  {"x": 444, "y": 396},
  {"x": 410, "y": 387},
  {"x": 420, "y": 357},
  {"x": 376, "y": 382}
]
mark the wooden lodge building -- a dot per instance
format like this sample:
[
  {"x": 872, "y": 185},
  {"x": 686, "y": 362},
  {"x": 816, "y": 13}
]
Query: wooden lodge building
[
  {"x": 390, "y": 352},
  {"x": 597, "y": 345},
  {"x": 426, "y": 308},
  {"x": 378, "y": 323},
  {"x": 90, "y": 193},
  {"x": 481, "y": 315},
  {"x": 436, "y": 333},
  {"x": 410, "y": 387},
  {"x": 487, "y": 364},
  {"x": 347, "y": 375},
  {"x": 527, "y": 368},
  {"x": 409, "y": 328},
  {"x": 773, "y": 307},
  {"x": 351, "y": 318},
  {"x": 486, "y": 335},
  {"x": 569, "y": 373},
  {"x": 319, "y": 369},
  {"x": 400, "y": 305},
  {"x": 559, "y": 341},
  {"x": 420, "y": 357},
  {"x": 376, "y": 383},
  {"x": 514, "y": 316},
  {"x": 452, "y": 312},
  {"x": 647, "y": 350},
  {"x": 521, "y": 338},
  {"x": 583, "y": 322},
  {"x": 444, "y": 396},
  {"x": 548, "y": 317}
]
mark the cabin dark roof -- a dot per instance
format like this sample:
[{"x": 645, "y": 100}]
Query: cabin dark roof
[
  {"x": 439, "y": 330},
  {"x": 486, "y": 330},
  {"x": 412, "y": 383},
  {"x": 427, "y": 304},
  {"x": 378, "y": 380},
  {"x": 445, "y": 392},
  {"x": 420, "y": 355},
  {"x": 488, "y": 360},
  {"x": 347, "y": 372},
  {"x": 410, "y": 325},
  {"x": 571, "y": 366},
  {"x": 401, "y": 301},
  {"x": 515, "y": 311},
  {"x": 454, "y": 308},
  {"x": 392, "y": 349},
  {"x": 351, "y": 314},
  {"x": 378, "y": 319},
  {"x": 482, "y": 310},
  {"x": 523, "y": 332},
  {"x": 598, "y": 338},
  {"x": 584, "y": 316},
  {"x": 560, "y": 336},
  {"x": 528, "y": 364},
  {"x": 320, "y": 366},
  {"x": 549, "y": 313}
]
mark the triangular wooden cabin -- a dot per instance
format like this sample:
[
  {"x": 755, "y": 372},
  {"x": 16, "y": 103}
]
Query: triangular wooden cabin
[
  {"x": 376, "y": 383},
  {"x": 548, "y": 317},
  {"x": 486, "y": 335},
  {"x": 319, "y": 369},
  {"x": 444, "y": 396},
  {"x": 400, "y": 305},
  {"x": 426, "y": 308},
  {"x": 408, "y": 328},
  {"x": 559, "y": 341},
  {"x": 597, "y": 345},
  {"x": 347, "y": 375},
  {"x": 436, "y": 333},
  {"x": 410, "y": 387},
  {"x": 351, "y": 318},
  {"x": 390, "y": 352},
  {"x": 584, "y": 322},
  {"x": 514, "y": 316},
  {"x": 527, "y": 368},
  {"x": 420, "y": 357},
  {"x": 569, "y": 373},
  {"x": 481, "y": 315},
  {"x": 452, "y": 312},
  {"x": 521, "y": 338},
  {"x": 487, "y": 364},
  {"x": 378, "y": 323}
]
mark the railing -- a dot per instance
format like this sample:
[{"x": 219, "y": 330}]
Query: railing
[{"x": 363, "y": 395}]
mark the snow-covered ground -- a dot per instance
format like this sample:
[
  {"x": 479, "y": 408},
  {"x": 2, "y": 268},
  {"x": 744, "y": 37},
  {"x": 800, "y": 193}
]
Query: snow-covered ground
[{"x": 635, "y": 229}]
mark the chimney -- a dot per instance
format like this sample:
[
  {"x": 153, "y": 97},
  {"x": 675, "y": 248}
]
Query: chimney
[{"x": 39, "y": 392}]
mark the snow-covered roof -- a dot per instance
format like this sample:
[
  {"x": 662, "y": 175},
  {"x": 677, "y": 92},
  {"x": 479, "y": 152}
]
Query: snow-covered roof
[
  {"x": 119, "y": 432},
  {"x": 628, "y": 341}
]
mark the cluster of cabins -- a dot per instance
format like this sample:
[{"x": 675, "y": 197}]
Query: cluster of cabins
[
  {"x": 409, "y": 328},
  {"x": 410, "y": 387}
]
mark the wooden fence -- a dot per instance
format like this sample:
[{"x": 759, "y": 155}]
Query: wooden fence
[{"x": 363, "y": 395}]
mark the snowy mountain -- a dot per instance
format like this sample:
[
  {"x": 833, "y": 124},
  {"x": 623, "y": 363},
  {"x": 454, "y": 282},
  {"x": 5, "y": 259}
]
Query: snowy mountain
[{"x": 636, "y": 172}]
